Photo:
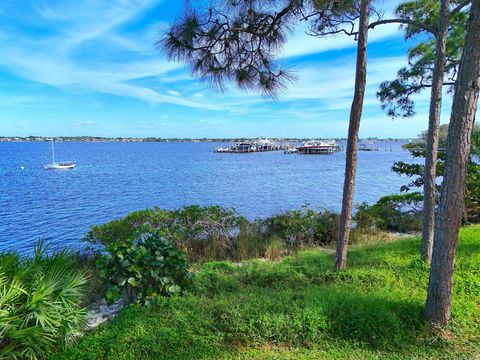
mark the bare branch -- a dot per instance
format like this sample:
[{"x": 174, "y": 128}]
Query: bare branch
[{"x": 404, "y": 21}]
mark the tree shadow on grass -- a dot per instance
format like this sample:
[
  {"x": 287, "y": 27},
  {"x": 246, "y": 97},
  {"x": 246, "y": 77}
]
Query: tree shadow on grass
[
  {"x": 379, "y": 322},
  {"x": 302, "y": 317}
]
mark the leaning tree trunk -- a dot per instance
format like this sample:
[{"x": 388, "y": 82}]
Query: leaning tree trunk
[
  {"x": 453, "y": 189},
  {"x": 433, "y": 134},
  {"x": 352, "y": 142}
]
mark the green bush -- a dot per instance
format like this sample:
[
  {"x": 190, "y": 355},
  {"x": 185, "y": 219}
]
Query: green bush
[
  {"x": 304, "y": 227},
  {"x": 416, "y": 171},
  {"x": 394, "y": 212},
  {"x": 205, "y": 233},
  {"x": 216, "y": 233},
  {"x": 124, "y": 228},
  {"x": 143, "y": 266},
  {"x": 40, "y": 301}
]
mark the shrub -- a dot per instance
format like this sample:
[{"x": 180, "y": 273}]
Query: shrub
[
  {"x": 143, "y": 266},
  {"x": 394, "y": 212},
  {"x": 304, "y": 227},
  {"x": 274, "y": 250},
  {"x": 416, "y": 171},
  {"x": 205, "y": 233},
  {"x": 124, "y": 228},
  {"x": 216, "y": 233},
  {"x": 40, "y": 301},
  {"x": 251, "y": 242}
]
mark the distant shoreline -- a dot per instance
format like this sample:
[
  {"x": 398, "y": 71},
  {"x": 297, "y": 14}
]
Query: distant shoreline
[{"x": 153, "y": 139}]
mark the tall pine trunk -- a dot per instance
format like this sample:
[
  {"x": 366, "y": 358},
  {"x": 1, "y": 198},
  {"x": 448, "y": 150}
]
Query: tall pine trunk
[
  {"x": 453, "y": 189},
  {"x": 352, "y": 142},
  {"x": 428, "y": 227}
]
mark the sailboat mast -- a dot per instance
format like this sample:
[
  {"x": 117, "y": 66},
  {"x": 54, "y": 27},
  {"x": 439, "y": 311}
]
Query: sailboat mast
[{"x": 53, "y": 153}]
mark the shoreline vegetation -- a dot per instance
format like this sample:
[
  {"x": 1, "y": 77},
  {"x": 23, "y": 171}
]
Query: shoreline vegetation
[
  {"x": 296, "y": 307},
  {"x": 155, "y": 139},
  {"x": 201, "y": 267}
]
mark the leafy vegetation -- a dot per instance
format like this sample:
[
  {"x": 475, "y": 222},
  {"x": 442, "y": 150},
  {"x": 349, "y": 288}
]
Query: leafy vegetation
[
  {"x": 305, "y": 227},
  {"x": 298, "y": 308},
  {"x": 397, "y": 96},
  {"x": 124, "y": 228},
  {"x": 216, "y": 233},
  {"x": 402, "y": 212},
  {"x": 416, "y": 171},
  {"x": 40, "y": 303},
  {"x": 143, "y": 266},
  {"x": 205, "y": 233}
]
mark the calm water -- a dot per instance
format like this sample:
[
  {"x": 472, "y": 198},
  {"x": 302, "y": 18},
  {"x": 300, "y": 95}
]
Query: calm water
[{"x": 113, "y": 179}]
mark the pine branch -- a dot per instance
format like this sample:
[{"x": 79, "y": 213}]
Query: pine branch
[{"x": 404, "y": 21}]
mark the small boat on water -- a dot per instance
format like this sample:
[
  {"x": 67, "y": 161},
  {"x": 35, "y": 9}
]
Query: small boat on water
[
  {"x": 367, "y": 146},
  {"x": 63, "y": 165},
  {"x": 60, "y": 166},
  {"x": 289, "y": 149},
  {"x": 317, "y": 147}
]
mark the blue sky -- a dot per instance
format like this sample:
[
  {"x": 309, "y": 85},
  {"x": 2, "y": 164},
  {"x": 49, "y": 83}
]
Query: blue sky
[{"x": 90, "y": 68}]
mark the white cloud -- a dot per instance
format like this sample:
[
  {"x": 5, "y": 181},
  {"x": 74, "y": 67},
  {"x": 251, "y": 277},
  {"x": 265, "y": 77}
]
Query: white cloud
[
  {"x": 87, "y": 123},
  {"x": 89, "y": 19},
  {"x": 125, "y": 63},
  {"x": 302, "y": 44},
  {"x": 52, "y": 60},
  {"x": 173, "y": 92},
  {"x": 23, "y": 124}
]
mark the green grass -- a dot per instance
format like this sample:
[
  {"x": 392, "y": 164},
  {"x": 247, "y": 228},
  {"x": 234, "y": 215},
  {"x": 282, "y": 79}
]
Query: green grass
[{"x": 298, "y": 308}]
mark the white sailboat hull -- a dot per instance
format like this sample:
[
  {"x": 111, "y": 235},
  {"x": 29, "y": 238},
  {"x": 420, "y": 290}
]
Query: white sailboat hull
[{"x": 59, "y": 166}]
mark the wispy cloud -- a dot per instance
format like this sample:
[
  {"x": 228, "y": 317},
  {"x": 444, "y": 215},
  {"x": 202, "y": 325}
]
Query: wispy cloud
[
  {"x": 134, "y": 69},
  {"x": 302, "y": 44},
  {"x": 87, "y": 123},
  {"x": 89, "y": 19},
  {"x": 173, "y": 92},
  {"x": 104, "y": 50}
]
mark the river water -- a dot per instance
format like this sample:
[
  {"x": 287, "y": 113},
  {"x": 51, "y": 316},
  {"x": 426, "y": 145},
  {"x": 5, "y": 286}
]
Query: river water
[{"x": 113, "y": 179}]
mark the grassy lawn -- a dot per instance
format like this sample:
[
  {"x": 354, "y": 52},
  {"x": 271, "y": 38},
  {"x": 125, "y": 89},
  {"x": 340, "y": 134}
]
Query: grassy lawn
[{"x": 297, "y": 308}]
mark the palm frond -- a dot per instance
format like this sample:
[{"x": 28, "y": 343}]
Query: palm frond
[{"x": 40, "y": 301}]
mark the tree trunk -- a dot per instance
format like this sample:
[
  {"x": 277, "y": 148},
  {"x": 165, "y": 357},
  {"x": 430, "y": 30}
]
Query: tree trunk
[
  {"x": 451, "y": 205},
  {"x": 433, "y": 134},
  {"x": 352, "y": 142}
]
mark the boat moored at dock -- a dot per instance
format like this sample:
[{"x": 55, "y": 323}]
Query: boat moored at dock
[
  {"x": 312, "y": 147},
  {"x": 258, "y": 145},
  {"x": 289, "y": 149},
  {"x": 318, "y": 147}
]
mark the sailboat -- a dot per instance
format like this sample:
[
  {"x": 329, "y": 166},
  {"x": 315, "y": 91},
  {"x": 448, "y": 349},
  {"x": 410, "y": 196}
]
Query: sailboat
[{"x": 59, "y": 165}]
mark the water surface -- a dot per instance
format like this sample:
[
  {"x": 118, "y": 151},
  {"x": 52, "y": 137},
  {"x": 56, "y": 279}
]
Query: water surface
[{"x": 113, "y": 179}]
